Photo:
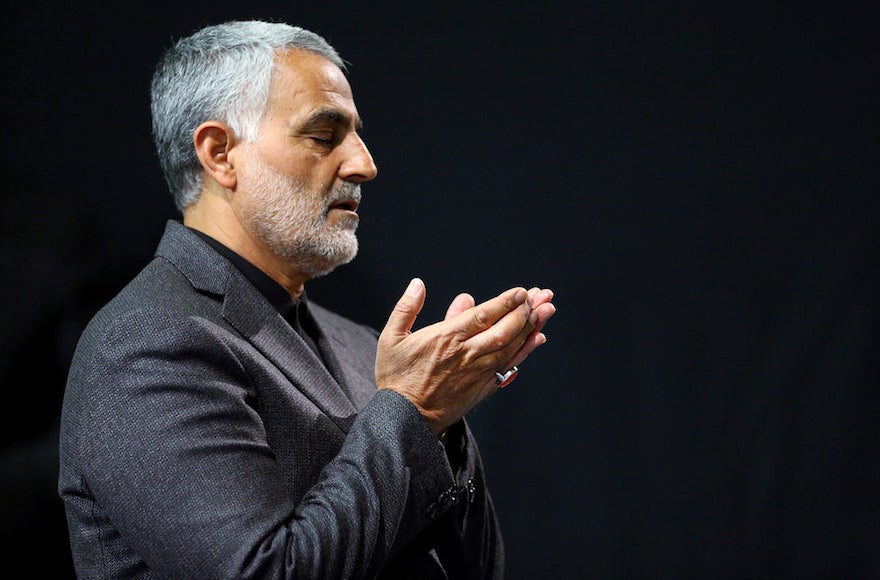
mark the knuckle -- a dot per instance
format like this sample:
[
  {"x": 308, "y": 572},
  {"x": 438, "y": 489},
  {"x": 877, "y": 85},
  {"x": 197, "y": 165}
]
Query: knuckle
[{"x": 481, "y": 319}]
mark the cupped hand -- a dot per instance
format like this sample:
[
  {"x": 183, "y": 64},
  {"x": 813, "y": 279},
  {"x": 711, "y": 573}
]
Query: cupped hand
[
  {"x": 447, "y": 368},
  {"x": 542, "y": 310}
]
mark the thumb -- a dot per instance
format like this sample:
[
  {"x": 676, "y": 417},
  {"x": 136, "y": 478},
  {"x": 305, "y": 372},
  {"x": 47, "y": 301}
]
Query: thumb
[{"x": 402, "y": 318}]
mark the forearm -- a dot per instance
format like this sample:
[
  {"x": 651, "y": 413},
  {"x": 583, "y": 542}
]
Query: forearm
[
  {"x": 374, "y": 495},
  {"x": 464, "y": 533}
]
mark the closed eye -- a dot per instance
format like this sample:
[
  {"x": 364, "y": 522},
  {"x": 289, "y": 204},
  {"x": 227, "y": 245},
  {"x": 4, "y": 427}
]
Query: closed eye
[{"x": 328, "y": 127}]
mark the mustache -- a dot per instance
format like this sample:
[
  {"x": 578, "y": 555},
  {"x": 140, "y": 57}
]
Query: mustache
[{"x": 343, "y": 192}]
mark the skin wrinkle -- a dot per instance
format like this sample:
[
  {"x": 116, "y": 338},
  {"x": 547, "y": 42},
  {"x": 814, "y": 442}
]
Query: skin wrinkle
[{"x": 331, "y": 116}]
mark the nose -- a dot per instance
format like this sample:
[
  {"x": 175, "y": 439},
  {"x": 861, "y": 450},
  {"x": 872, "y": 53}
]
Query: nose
[{"x": 358, "y": 165}]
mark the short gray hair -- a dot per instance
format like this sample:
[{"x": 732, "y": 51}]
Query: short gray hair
[{"x": 221, "y": 72}]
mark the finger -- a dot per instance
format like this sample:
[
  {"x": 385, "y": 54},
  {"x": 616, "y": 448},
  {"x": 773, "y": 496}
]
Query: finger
[
  {"x": 538, "y": 296},
  {"x": 504, "y": 337},
  {"x": 459, "y": 304},
  {"x": 475, "y": 320},
  {"x": 532, "y": 342},
  {"x": 541, "y": 311},
  {"x": 540, "y": 315},
  {"x": 536, "y": 337},
  {"x": 404, "y": 314},
  {"x": 514, "y": 338}
]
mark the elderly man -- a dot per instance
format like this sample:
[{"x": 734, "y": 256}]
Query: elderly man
[{"x": 217, "y": 424}]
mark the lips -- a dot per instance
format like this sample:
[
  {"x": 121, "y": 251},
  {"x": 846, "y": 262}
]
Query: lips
[
  {"x": 346, "y": 196},
  {"x": 346, "y": 204}
]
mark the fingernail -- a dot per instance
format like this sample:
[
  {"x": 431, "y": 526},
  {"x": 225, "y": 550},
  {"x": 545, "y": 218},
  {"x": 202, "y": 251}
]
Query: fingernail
[{"x": 414, "y": 287}]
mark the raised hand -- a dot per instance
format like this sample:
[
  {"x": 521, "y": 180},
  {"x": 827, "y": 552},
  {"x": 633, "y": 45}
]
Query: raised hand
[
  {"x": 447, "y": 368},
  {"x": 539, "y": 298}
]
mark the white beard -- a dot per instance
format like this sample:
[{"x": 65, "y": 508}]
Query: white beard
[{"x": 292, "y": 221}]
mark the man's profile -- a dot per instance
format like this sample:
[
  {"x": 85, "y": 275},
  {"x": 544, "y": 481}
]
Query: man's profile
[{"x": 216, "y": 422}]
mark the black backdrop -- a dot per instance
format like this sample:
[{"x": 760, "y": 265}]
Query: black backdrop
[{"x": 697, "y": 182}]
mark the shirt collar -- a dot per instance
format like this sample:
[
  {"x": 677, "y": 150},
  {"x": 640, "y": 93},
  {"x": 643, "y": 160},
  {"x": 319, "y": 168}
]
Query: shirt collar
[{"x": 274, "y": 292}]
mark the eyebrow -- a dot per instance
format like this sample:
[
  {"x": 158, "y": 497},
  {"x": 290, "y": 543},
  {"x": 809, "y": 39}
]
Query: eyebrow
[{"x": 334, "y": 116}]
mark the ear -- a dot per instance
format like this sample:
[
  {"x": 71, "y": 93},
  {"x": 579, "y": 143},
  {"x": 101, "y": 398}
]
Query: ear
[{"x": 213, "y": 142}]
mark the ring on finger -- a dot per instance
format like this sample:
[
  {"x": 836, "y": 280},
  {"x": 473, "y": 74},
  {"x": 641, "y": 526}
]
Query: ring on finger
[{"x": 506, "y": 377}]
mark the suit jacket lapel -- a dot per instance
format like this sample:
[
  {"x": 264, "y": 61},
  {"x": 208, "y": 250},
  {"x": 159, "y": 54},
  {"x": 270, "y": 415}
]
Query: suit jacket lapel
[
  {"x": 278, "y": 342},
  {"x": 249, "y": 313},
  {"x": 350, "y": 367}
]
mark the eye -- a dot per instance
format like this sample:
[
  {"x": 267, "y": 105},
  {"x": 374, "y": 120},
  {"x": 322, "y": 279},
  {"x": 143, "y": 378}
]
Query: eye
[{"x": 325, "y": 140}]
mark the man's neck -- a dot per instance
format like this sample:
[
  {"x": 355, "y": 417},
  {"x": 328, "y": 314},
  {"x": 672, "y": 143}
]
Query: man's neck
[{"x": 226, "y": 229}]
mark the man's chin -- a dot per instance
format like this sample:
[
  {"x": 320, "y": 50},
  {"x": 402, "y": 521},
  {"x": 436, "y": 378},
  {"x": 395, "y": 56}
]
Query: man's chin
[
  {"x": 317, "y": 272},
  {"x": 342, "y": 220},
  {"x": 321, "y": 266}
]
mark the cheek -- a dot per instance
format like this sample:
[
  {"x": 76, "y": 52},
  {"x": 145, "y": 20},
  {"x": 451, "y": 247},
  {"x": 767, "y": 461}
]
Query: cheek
[
  {"x": 324, "y": 177},
  {"x": 313, "y": 170},
  {"x": 313, "y": 173}
]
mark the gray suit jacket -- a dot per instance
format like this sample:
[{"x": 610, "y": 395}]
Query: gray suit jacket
[{"x": 202, "y": 438}]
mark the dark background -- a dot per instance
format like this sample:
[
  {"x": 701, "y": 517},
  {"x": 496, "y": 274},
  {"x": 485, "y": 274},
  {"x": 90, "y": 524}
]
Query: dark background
[{"x": 698, "y": 182}]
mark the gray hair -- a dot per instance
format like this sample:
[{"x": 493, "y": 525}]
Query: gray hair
[{"x": 221, "y": 73}]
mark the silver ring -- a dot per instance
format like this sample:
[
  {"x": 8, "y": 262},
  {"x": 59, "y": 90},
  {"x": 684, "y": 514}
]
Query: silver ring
[{"x": 506, "y": 377}]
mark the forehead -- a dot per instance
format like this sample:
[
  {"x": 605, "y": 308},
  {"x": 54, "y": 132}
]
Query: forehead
[{"x": 304, "y": 82}]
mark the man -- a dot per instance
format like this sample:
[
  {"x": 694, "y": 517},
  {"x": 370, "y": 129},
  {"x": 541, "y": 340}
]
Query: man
[{"x": 216, "y": 424}]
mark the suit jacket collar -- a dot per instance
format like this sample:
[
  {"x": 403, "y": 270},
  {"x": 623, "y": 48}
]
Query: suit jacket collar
[{"x": 248, "y": 311}]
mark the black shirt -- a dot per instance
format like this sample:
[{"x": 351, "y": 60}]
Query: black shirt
[{"x": 295, "y": 311}]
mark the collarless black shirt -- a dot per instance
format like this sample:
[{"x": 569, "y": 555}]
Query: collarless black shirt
[{"x": 294, "y": 311}]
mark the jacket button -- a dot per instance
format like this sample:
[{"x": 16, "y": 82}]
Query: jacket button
[
  {"x": 433, "y": 510},
  {"x": 446, "y": 499}
]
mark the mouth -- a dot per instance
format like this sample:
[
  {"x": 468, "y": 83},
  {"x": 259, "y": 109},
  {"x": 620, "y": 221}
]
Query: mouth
[
  {"x": 346, "y": 205},
  {"x": 345, "y": 197}
]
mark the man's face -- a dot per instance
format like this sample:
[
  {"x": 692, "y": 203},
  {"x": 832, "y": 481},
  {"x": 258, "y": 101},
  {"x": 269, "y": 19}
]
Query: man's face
[{"x": 299, "y": 183}]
